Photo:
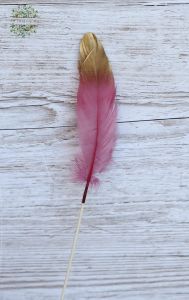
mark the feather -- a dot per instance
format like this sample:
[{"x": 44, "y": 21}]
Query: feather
[
  {"x": 96, "y": 119},
  {"x": 96, "y": 112}
]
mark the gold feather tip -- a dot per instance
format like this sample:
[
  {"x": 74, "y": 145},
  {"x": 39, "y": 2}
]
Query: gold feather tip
[{"x": 93, "y": 62}]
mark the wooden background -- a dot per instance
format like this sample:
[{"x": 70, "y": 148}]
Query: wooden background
[{"x": 134, "y": 241}]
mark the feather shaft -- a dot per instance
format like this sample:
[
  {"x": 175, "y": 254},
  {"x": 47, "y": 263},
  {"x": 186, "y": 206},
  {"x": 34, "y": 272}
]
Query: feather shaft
[
  {"x": 74, "y": 244},
  {"x": 90, "y": 171}
]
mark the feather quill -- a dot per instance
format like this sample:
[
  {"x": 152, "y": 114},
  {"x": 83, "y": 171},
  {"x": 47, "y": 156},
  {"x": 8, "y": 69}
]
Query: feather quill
[
  {"x": 96, "y": 111},
  {"x": 96, "y": 119}
]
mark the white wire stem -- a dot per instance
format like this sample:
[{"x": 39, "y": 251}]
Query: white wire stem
[{"x": 72, "y": 251}]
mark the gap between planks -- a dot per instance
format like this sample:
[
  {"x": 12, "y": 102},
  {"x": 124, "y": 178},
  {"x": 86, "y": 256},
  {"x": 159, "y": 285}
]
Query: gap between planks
[{"x": 72, "y": 126}]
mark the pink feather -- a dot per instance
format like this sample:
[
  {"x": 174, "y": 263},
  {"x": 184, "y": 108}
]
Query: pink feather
[{"x": 96, "y": 120}]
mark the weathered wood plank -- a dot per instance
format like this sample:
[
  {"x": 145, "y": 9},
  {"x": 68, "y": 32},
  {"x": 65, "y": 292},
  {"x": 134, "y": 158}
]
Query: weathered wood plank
[
  {"x": 99, "y": 2},
  {"x": 148, "y": 48},
  {"x": 134, "y": 236}
]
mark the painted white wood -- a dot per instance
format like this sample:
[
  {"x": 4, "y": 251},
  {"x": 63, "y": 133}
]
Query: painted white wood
[
  {"x": 134, "y": 237},
  {"x": 148, "y": 48},
  {"x": 99, "y": 2}
]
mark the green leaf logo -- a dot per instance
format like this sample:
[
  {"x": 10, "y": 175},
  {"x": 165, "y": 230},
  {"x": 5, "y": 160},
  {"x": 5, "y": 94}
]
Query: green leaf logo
[{"x": 23, "y": 20}]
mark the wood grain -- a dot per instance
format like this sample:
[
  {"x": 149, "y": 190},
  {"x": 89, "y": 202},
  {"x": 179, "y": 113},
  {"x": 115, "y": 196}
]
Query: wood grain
[
  {"x": 134, "y": 236},
  {"x": 99, "y": 2},
  {"x": 148, "y": 48},
  {"x": 133, "y": 242}
]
